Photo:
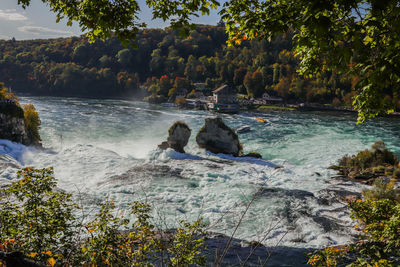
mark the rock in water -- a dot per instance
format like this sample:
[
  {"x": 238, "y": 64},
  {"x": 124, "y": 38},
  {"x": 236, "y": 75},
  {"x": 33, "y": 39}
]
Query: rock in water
[
  {"x": 179, "y": 134},
  {"x": 216, "y": 137},
  {"x": 178, "y": 138}
]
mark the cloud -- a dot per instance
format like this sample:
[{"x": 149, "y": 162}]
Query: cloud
[
  {"x": 4, "y": 37},
  {"x": 12, "y": 15},
  {"x": 38, "y": 30}
]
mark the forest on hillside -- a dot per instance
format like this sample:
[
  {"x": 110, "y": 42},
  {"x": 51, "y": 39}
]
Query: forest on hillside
[{"x": 164, "y": 62}]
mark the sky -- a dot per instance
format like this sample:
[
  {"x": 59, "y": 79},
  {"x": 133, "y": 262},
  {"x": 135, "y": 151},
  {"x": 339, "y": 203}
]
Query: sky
[{"x": 38, "y": 22}]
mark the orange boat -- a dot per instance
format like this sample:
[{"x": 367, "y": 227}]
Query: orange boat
[{"x": 261, "y": 120}]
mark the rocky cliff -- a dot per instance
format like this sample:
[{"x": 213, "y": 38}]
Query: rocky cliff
[{"x": 12, "y": 124}]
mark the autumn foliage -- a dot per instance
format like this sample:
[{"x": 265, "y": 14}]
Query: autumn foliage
[
  {"x": 32, "y": 122},
  {"x": 41, "y": 222}
]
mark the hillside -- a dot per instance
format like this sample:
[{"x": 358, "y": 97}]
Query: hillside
[{"x": 164, "y": 60}]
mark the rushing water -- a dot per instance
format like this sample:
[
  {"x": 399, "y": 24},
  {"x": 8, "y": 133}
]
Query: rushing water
[{"x": 108, "y": 148}]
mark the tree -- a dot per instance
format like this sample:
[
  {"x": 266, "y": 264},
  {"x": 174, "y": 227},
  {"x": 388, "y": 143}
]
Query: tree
[
  {"x": 124, "y": 57},
  {"x": 165, "y": 85},
  {"x": 105, "y": 61},
  {"x": 81, "y": 53},
  {"x": 156, "y": 63},
  {"x": 254, "y": 84},
  {"x": 190, "y": 69},
  {"x": 238, "y": 76},
  {"x": 352, "y": 36}
]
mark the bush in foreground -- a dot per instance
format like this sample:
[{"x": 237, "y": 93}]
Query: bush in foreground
[
  {"x": 381, "y": 190},
  {"x": 40, "y": 222}
]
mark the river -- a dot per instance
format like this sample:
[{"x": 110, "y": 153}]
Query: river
[{"x": 108, "y": 149}]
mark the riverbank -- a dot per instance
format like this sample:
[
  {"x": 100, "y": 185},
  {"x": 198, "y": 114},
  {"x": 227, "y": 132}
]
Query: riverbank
[{"x": 308, "y": 109}]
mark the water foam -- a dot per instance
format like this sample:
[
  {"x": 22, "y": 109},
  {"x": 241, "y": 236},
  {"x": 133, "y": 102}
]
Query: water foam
[{"x": 15, "y": 150}]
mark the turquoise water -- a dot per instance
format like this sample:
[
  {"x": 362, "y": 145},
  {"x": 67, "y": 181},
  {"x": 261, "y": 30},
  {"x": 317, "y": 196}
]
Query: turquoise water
[{"x": 108, "y": 148}]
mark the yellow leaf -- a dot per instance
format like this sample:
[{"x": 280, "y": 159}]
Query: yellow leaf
[
  {"x": 47, "y": 253},
  {"x": 367, "y": 40},
  {"x": 51, "y": 262},
  {"x": 32, "y": 254}
]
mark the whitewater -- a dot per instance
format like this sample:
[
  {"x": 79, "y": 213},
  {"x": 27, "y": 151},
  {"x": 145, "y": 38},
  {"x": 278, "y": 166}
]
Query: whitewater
[{"x": 108, "y": 149}]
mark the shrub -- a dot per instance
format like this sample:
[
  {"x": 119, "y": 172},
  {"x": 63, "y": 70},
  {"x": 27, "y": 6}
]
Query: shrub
[
  {"x": 192, "y": 94},
  {"x": 5, "y": 94},
  {"x": 378, "y": 169},
  {"x": 378, "y": 146},
  {"x": 32, "y": 123},
  {"x": 39, "y": 222},
  {"x": 328, "y": 257},
  {"x": 180, "y": 101},
  {"x": 109, "y": 241},
  {"x": 396, "y": 173},
  {"x": 378, "y": 156},
  {"x": 172, "y": 93},
  {"x": 188, "y": 245},
  {"x": 108, "y": 245},
  {"x": 36, "y": 217},
  {"x": 379, "y": 223},
  {"x": 381, "y": 190}
]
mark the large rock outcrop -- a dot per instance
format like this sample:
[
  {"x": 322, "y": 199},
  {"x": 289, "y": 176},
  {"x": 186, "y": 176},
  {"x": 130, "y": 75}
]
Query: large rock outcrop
[
  {"x": 12, "y": 124},
  {"x": 217, "y": 137},
  {"x": 178, "y": 137}
]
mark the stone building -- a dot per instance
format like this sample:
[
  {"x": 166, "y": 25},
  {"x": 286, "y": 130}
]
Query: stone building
[{"x": 224, "y": 95}]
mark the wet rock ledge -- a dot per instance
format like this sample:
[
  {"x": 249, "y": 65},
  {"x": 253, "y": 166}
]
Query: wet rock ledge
[{"x": 13, "y": 125}]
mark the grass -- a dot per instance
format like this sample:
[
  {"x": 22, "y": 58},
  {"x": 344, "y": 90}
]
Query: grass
[{"x": 275, "y": 107}]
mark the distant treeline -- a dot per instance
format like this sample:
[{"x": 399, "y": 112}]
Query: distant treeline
[{"x": 162, "y": 62}]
